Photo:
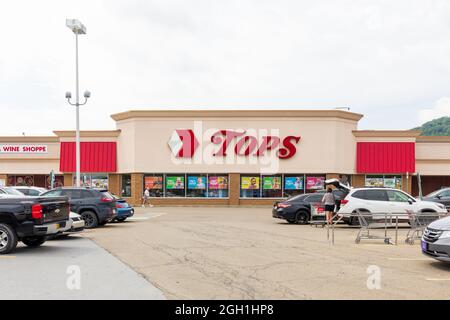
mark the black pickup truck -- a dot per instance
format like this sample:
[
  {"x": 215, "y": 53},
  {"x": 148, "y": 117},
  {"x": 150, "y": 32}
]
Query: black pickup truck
[{"x": 31, "y": 220}]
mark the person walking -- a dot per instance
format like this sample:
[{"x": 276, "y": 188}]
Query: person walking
[
  {"x": 145, "y": 198},
  {"x": 329, "y": 201}
]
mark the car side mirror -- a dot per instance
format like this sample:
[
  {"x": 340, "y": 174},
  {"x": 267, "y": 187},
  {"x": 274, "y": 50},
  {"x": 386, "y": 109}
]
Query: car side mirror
[
  {"x": 438, "y": 196},
  {"x": 410, "y": 201}
]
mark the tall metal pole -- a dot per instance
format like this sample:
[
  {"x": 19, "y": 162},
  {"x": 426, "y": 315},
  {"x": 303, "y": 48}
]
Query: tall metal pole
[{"x": 77, "y": 106}]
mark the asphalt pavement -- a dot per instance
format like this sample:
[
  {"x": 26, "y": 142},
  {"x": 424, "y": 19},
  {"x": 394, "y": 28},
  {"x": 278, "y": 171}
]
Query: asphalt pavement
[{"x": 71, "y": 268}]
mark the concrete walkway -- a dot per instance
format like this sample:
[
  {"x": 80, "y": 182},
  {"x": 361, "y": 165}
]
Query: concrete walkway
[{"x": 51, "y": 272}]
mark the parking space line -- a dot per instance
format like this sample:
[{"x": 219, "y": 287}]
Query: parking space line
[
  {"x": 410, "y": 259},
  {"x": 436, "y": 279},
  {"x": 7, "y": 257}
]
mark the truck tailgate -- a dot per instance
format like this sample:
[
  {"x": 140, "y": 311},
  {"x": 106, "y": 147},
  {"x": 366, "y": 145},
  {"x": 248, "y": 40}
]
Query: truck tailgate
[{"x": 54, "y": 208}]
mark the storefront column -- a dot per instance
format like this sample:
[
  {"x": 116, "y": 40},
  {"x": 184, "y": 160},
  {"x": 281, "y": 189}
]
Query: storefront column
[
  {"x": 4, "y": 179},
  {"x": 407, "y": 183},
  {"x": 358, "y": 181},
  {"x": 137, "y": 181},
  {"x": 68, "y": 180},
  {"x": 114, "y": 184},
  {"x": 234, "y": 189}
]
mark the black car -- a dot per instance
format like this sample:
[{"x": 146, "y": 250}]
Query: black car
[
  {"x": 297, "y": 209},
  {"x": 441, "y": 196},
  {"x": 96, "y": 206}
]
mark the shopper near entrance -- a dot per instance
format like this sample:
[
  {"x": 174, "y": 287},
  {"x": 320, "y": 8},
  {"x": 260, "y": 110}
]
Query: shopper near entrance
[
  {"x": 145, "y": 198},
  {"x": 329, "y": 201}
]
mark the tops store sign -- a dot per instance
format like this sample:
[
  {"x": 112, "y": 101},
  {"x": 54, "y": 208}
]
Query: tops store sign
[
  {"x": 21, "y": 148},
  {"x": 183, "y": 144}
]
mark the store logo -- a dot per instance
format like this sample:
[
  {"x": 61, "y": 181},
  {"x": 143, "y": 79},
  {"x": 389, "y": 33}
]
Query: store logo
[{"x": 183, "y": 143}]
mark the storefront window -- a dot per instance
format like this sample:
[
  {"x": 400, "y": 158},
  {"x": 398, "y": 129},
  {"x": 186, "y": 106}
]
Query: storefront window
[
  {"x": 89, "y": 180},
  {"x": 250, "y": 186},
  {"x": 37, "y": 180},
  {"x": 99, "y": 181},
  {"x": 155, "y": 185},
  {"x": 388, "y": 181},
  {"x": 374, "y": 181},
  {"x": 175, "y": 185},
  {"x": 271, "y": 187},
  {"x": 314, "y": 183},
  {"x": 293, "y": 185},
  {"x": 196, "y": 186},
  {"x": 125, "y": 185},
  {"x": 217, "y": 186}
]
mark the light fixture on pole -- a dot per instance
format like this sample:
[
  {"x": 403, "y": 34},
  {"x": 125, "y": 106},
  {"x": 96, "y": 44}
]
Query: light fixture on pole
[{"x": 78, "y": 28}]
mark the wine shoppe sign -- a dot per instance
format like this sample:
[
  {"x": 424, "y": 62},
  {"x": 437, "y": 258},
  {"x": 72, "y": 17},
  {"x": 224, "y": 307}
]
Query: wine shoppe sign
[
  {"x": 184, "y": 143},
  {"x": 23, "y": 148}
]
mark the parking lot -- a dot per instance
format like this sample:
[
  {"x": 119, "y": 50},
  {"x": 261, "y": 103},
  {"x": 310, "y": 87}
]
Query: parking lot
[{"x": 243, "y": 253}]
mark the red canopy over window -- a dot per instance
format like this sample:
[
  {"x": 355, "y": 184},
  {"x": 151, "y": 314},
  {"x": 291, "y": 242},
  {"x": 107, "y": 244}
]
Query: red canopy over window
[
  {"x": 94, "y": 157},
  {"x": 385, "y": 157}
]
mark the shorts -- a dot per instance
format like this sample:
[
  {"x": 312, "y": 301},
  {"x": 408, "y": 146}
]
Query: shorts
[{"x": 329, "y": 207}]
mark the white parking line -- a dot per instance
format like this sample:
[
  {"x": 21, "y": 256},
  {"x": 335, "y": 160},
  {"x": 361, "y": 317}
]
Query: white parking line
[
  {"x": 7, "y": 257},
  {"x": 436, "y": 279},
  {"x": 410, "y": 259}
]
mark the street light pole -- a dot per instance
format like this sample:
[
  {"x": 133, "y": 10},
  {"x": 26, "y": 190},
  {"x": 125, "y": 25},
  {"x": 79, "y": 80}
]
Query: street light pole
[{"x": 78, "y": 28}]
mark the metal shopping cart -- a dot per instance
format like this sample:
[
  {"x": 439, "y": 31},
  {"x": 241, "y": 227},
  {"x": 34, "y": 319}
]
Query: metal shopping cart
[
  {"x": 419, "y": 221},
  {"x": 369, "y": 222}
]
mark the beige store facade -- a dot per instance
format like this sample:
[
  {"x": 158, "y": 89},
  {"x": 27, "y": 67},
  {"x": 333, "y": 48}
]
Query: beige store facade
[{"x": 231, "y": 157}]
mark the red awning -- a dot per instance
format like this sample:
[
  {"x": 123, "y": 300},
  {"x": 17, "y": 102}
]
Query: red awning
[
  {"x": 94, "y": 157},
  {"x": 385, "y": 157}
]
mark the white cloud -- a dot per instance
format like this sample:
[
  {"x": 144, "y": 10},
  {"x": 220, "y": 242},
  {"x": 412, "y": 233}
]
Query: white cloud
[{"x": 441, "y": 108}]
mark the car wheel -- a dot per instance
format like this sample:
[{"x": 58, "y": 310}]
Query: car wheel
[
  {"x": 102, "y": 223},
  {"x": 8, "y": 239},
  {"x": 34, "y": 241},
  {"x": 301, "y": 217},
  {"x": 90, "y": 219},
  {"x": 121, "y": 219}
]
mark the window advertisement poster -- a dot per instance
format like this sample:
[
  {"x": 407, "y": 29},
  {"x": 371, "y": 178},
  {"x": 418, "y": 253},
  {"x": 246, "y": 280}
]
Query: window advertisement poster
[
  {"x": 393, "y": 182},
  {"x": 315, "y": 183},
  {"x": 153, "y": 182},
  {"x": 293, "y": 183},
  {"x": 374, "y": 182},
  {"x": 196, "y": 182},
  {"x": 174, "y": 182},
  {"x": 218, "y": 183},
  {"x": 272, "y": 183},
  {"x": 100, "y": 183},
  {"x": 249, "y": 183}
]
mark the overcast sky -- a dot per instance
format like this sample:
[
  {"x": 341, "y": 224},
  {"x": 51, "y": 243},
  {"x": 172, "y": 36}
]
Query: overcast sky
[{"x": 389, "y": 60}]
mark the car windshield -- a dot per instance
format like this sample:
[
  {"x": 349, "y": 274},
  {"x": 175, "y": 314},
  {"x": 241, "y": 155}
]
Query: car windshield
[
  {"x": 108, "y": 195},
  {"x": 433, "y": 194},
  {"x": 13, "y": 192},
  {"x": 298, "y": 197}
]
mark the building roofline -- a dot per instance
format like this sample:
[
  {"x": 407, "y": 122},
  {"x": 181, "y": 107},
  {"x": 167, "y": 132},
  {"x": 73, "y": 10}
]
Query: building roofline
[
  {"x": 26, "y": 139},
  {"x": 433, "y": 139},
  {"x": 236, "y": 113},
  {"x": 91, "y": 133},
  {"x": 386, "y": 133}
]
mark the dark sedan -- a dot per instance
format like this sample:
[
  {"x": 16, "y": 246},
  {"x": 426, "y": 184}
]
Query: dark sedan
[
  {"x": 297, "y": 209},
  {"x": 440, "y": 196}
]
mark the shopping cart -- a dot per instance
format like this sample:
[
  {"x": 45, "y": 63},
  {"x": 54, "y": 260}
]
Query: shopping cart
[
  {"x": 418, "y": 222},
  {"x": 369, "y": 222}
]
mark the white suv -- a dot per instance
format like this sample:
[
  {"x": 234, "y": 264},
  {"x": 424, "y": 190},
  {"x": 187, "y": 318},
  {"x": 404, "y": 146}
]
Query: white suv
[{"x": 382, "y": 200}]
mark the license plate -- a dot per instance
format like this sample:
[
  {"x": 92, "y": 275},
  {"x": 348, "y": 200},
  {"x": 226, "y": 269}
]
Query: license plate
[
  {"x": 57, "y": 225},
  {"x": 424, "y": 246}
]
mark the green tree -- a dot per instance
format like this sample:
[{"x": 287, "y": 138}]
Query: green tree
[{"x": 436, "y": 127}]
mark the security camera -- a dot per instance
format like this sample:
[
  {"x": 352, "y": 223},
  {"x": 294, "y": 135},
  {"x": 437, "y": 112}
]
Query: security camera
[
  {"x": 68, "y": 95},
  {"x": 87, "y": 94}
]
